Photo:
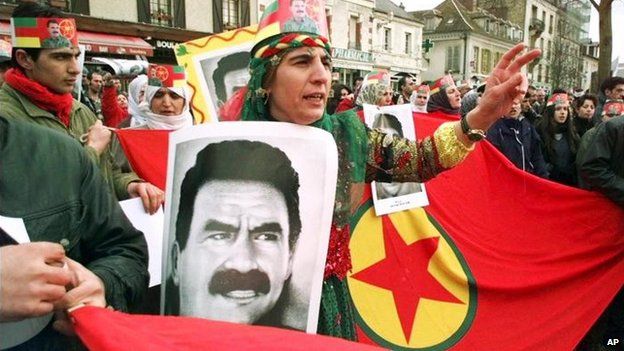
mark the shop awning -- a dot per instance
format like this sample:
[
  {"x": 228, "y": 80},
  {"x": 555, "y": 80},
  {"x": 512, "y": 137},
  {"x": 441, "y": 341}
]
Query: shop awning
[{"x": 114, "y": 44}]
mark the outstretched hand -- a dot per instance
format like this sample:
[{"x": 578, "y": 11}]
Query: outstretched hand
[{"x": 504, "y": 85}]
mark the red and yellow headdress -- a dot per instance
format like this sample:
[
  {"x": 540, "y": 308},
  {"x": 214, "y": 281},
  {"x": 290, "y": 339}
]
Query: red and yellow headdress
[
  {"x": 43, "y": 32},
  {"x": 441, "y": 84},
  {"x": 423, "y": 89},
  {"x": 167, "y": 76},
  {"x": 613, "y": 108},
  {"x": 558, "y": 99}
]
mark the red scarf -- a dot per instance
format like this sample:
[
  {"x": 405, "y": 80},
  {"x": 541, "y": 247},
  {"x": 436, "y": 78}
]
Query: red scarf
[{"x": 42, "y": 97}]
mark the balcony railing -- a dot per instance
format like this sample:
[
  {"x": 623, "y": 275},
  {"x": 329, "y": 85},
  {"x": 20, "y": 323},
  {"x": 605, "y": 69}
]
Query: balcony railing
[{"x": 537, "y": 25}]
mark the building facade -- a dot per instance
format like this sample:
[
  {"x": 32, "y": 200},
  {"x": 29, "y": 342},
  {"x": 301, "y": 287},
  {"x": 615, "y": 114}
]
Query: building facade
[
  {"x": 589, "y": 79},
  {"x": 396, "y": 41},
  {"x": 467, "y": 40},
  {"x": 558, "y": 28}
]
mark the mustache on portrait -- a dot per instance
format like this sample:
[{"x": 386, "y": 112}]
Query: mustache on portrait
[{"x": 225, "y": 281}]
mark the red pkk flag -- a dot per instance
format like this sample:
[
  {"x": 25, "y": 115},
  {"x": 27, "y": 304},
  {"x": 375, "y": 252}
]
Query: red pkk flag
[
  {"x": 499, "y": 260},
  {"x": 102, "y": 329},
  {"x": 147, "y": 151},
  {"x": 43, "y": 32},
  {"x": 168, "y": 76}
]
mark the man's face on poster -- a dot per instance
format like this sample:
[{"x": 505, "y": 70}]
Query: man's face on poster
[
  {"x": 237, "y": 257},
  {"x": 235, "y": 80},
  {"x": 54, "y": 29},
  {"x": 298, "y": 9}
]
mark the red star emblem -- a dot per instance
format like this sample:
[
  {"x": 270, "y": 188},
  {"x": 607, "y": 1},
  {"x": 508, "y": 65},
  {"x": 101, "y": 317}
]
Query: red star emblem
[
  {"x": 404, "y": 272},
  {"x": 67, "y": 29}
]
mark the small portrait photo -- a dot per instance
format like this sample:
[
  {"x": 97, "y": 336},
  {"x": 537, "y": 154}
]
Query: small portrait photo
[
  {"x": 392, "y": 197},
  {"x": 223, "y": 73},
  {"x": 247, "y": 223},
  {"x": 303, "y": 17}
]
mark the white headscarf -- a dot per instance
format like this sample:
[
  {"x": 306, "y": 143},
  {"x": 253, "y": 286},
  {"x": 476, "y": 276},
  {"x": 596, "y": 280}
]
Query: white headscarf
[
  {"x": 416, "y": 108},
  {"x": 157, "y": 121},
  {"x": 134, "y": 93}
]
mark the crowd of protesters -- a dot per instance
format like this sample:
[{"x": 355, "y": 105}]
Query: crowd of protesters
[
  {"x": 568, "y": 136},
  {"x": 546, "y": 134}
]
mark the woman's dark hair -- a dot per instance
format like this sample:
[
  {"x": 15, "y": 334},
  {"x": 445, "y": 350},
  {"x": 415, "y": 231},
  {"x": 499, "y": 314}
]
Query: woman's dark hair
[
  {"x": 579, "y": 102},
  {"x": 548, "y": 127}
]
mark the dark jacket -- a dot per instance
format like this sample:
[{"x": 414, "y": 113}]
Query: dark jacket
[
  {"x": 48, "y": 180},
  {"x": 15, "y": 105},
  {"x": 601, "y": 165},
  {"x": 519, "y": 142}
]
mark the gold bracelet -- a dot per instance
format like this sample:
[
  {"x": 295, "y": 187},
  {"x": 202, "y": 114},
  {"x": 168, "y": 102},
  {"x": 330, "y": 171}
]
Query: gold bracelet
[{"x": 451, "y": 151}]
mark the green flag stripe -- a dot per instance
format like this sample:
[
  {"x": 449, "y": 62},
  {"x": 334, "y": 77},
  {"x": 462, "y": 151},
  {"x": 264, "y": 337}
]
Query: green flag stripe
[{"x": 25, "y": 21}]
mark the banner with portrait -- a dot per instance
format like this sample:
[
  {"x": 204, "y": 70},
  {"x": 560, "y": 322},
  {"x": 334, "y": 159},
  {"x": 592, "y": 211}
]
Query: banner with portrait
[
  {"x": 216, "y": 67},
  {"x": 247, "y": 221},
  {"x": 393, "y": 197}
]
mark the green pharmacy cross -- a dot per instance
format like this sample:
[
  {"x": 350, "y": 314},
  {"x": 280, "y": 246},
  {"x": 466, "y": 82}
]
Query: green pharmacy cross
[{"x": 427, "y": 44}]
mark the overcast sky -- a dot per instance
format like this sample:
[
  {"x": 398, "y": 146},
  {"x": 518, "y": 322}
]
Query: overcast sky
[{"x": 617, "y": 16}]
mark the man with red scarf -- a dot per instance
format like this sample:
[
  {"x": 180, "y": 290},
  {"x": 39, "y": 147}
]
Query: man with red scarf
[{"x": 38, "y": 90}]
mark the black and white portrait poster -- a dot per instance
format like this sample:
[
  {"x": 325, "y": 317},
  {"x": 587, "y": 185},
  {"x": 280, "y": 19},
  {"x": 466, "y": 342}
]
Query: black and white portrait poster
[
  {"x": 394, "y": 197},
  {"x": 222, "y": 72},
  {"x": 247, "y": 221}
]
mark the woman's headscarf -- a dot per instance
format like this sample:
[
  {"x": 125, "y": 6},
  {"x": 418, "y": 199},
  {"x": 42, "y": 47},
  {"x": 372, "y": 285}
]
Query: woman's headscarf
[
  {"x": 373, "y": 88},
  {"x": 157, "y": 121},
  {"x": 438, "y": 100},
  {"x": 422, "y": 89},
  {"x": 134, "y": 93}
]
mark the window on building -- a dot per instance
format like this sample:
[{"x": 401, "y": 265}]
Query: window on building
[
  {"x": 230, "y": 12},
  {"x": 486, "y": 61},
  {"x": 160, "y": 12},
  {"x": 487, "y": 25},
  {"x": 548, "y": 53},
  {"x": 475, "y": 58},
  {"x": 551, "y": 24},
  {"x": 81, "y": 7},
  {"x": 542, "y": 44},
  {"x": 430, "y": 24},
  {"x": 452, "y": 59},
  {"x": 408, "y": 43},
  {"x": 355, "y": 29},
  {"x": 387, "y": 39},
  {"x": 533, "y": 11},
  {"x": 547, "y": 75},
  {"x": 497, "y": 57},
  {"x": 539, "y": 73}
]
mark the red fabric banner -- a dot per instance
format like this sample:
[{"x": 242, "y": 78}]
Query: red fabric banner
[
  {"x": 499, "y": 260},
  {"x": 101, "y": 329},
  {"x": 147, "y": 152}
]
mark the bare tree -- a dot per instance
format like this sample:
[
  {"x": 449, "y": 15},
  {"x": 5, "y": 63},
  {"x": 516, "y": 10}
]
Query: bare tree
[{"x": 606, "y": 35}]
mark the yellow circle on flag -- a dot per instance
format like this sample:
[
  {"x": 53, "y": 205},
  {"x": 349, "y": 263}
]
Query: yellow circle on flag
[{"x": 400, "y": 312}]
